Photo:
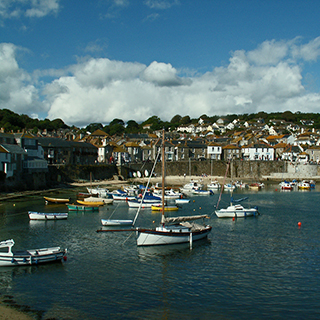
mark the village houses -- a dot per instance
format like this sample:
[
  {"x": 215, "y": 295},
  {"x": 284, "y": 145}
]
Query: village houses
[{"x": 24, "y": 152}]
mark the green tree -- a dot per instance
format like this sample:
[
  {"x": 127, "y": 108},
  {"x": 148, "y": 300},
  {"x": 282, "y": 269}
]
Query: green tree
[
  {"x": 132, "y": 127},
  {"x": 92, "y": 127}
]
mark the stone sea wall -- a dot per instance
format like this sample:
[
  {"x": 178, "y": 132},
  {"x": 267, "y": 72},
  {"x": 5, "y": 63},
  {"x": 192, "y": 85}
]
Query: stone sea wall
[{"x": 237, "y": 170}]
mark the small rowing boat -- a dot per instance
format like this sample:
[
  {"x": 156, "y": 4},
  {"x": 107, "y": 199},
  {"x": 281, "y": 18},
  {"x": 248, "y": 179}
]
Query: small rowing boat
[
  {"x": 47, "y": 216},
  {"x": 166, "y": 208},
  {"x": 75, "y": 207},
  {"x": 29, "y": 257},
  {"x": 113, "y": 222},
  {"x": 56, "y": 200},
  {"x": 91, "y": 203}
]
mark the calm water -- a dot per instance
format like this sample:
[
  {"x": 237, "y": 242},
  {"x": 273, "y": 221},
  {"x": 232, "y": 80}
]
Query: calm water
[{"x": 264, "y": 267}]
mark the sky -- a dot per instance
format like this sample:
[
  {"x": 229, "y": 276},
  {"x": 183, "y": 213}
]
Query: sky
[{"x": 94, "y": 61}]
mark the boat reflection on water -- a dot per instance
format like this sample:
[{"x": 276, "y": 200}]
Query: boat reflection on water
[{"x": 149, "y": 252}]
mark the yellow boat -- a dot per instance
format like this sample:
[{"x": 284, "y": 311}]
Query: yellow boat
[
  {"x": 56, "y": 200},
  {"x": 91, "y": 203},
  {"x": 166, "y": 208}
]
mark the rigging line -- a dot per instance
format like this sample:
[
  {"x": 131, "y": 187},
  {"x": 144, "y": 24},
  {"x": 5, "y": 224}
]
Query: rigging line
[
  {"x": 145, "y": 190},
  {"x": 224, "y": 180},
  {"x": 114, "y": 210},
  {"x": 145, "y": 162},
  {"x": 127, "y": 238}
]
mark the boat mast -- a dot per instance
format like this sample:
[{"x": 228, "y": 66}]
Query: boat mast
[{"x": 163, "y": 178}]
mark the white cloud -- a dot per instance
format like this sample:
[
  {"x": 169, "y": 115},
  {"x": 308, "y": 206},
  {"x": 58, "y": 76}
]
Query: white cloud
[
  {"x": 161, "y": 4},
  {"x": 99, "y": 90},
  {"x": 28, "y": 8},
  {"x": 161, "y": 74},
  {"x": 309, "y": 51},
  {"x": 17, "y": 92},
  {"x": 269, "y": 52}
]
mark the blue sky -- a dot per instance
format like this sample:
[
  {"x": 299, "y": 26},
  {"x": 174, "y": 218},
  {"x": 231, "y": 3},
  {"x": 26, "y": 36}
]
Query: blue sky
[{"x": 94, "y": 61}]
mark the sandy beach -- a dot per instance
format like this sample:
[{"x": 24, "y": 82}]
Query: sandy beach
[
  {"x": 8, "y": 313},
  {"x": 170, "y": 181}
]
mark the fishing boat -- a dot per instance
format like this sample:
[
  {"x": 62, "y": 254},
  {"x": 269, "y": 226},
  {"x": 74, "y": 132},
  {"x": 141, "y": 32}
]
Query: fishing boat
[
  {"x": 76, "y": 207},
  {"x": 10, "y": 258},
  {"x": 170, "y": 194},
  {"x": 56, "y": 200},
  {"x": 47, "y": 216},
  {"x": 122, "y": 196},
  {"x": 304, "y": 185},
  {"x": 214, "y": 185},
  {"x": 115, "y": 222},
  {"x": 285, "y": 185},
  {"x": 202, "y": 192},
  {"x": 236, "y": 211},
  {"x": 101, "y": 192},
  {"x": 192, "y": 185},
  {"x": 229, "y": 186},
  {"x": 91, "y": 203},
  {"x": 172, "y": 230}
]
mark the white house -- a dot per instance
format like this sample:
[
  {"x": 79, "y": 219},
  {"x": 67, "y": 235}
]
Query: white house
[
  {"x": 214, "y": 151},
  {"x": 258, "y": 151}
]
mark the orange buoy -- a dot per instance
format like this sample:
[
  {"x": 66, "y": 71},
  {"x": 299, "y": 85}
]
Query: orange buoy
[{"x": 299, "y": 224}]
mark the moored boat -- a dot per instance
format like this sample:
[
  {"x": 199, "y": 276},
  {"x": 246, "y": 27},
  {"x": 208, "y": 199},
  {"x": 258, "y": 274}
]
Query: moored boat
[
  {"x": 304, "y": 185},
  {"x": 202, "y": 192},
  {"x": 91, "y": 203},
  {"x": 47, "y": 216},
  {"x": 75, "y": 207},
  {"x": 236, "y": 211},
  {"x": 182, "y": 201},
  {"x": 144, "y": 204},
  {"x": 30, "y": 256},
  {"x": 172, "y": 230},
  {"x": 158, "y": 207},
  {"x": 116, "y": 222},
  {"x": 56, "y": 200},
  {"x": 214, "y": 185},
  {"x": 99, "y": 191},
  {"x": 285, "y": 185},
  {"x": 96, "y": 199}
]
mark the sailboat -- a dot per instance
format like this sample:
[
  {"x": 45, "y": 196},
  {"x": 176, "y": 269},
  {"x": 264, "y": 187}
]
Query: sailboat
[
  {"x": 234, "y": 210},
  {"x": 172, "y": 230}
]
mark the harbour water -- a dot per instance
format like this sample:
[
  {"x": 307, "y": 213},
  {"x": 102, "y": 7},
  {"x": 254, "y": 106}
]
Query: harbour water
[{"x": 259, "y": 268}]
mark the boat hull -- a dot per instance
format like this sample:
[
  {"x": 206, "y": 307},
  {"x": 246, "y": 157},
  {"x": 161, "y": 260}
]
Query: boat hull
[
  {"x": 31, "y": 257},
  {"x": 113, "y": 222},
  {"x": 154, "y": 237},
  {"x": 81, "y": 208},
  {"x": 224, "y": 213},
  {"x": 166, "y": 208},
  {"x": 47, "y": 216},
  {"x": 56, "y": 200},
  {"x": 137, "y": 204},
  {"x": 91, "y": 203}
]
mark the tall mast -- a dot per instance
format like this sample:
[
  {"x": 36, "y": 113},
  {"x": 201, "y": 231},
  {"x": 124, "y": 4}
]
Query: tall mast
[{"x": 163, "y": 177}]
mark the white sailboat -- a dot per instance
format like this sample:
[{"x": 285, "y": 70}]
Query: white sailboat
[{"x": 172, "y": 230}]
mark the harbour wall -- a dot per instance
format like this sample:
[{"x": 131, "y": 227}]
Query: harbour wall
[{"x": 237, "y": 170}]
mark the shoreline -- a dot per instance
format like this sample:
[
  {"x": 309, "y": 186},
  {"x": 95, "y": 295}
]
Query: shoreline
[{"x": 8, "y": 312}]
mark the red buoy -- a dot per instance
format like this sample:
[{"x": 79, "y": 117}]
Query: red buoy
[{"x": 299, "y": 224}]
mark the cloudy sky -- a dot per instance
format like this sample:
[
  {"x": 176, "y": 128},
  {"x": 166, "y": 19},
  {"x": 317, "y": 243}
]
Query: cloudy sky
[{"x": 94, "y": 61}]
